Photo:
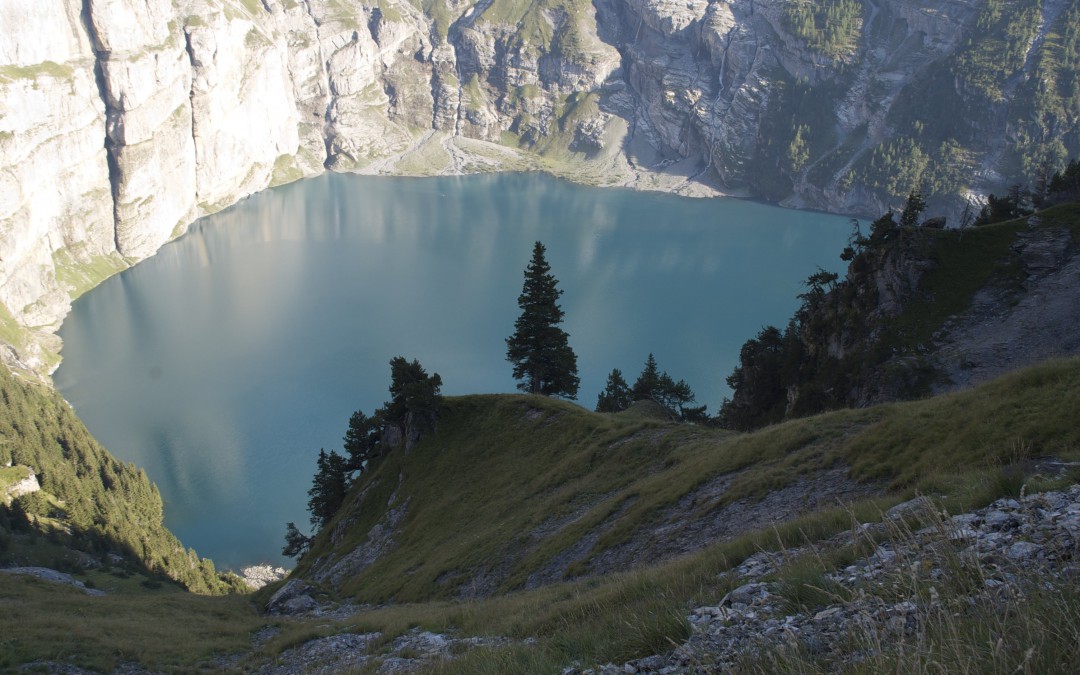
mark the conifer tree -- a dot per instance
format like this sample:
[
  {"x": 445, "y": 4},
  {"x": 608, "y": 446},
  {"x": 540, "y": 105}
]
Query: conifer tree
[
  {"x": 616, "y": 397},
  {"x": 648, "y": 381},
  {"x": 415, "y": 398},
  {"x": 539, "y": 349},
  {"x": 328, "y": 488},
  {"x": 361, "y": 441},
  {"x": 296, "y": 542},
  {"x": 913, "y": 208},
  {"x": 675, "y": 397}
]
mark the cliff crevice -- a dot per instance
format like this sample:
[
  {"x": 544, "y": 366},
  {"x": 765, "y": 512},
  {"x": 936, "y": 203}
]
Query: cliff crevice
[{"x": 123, "y": 121}]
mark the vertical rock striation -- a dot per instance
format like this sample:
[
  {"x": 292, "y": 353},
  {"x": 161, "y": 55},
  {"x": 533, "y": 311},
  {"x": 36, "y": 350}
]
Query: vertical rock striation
[
  {"x": 55, "y": 186},
  {"x": 121, "y": 121},
  {"x": 145, "y": 80}
]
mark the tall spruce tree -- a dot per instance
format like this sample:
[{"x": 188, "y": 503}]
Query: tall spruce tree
[
  {"x": 648, "y": 381},
  {"x": 539, "y": 349},
  {"x": 913, "y": 208}
]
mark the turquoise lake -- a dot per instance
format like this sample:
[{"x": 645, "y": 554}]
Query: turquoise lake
[{"x": 225, "y": 362}]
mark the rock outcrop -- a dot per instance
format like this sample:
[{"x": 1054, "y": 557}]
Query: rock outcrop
[
  {"x": 51, "y": 575},
  {"x": 414, "y": 651},
  {"x": 886, "y": 600},
  {"x": 121, "y": 121},
  {"x": 257, "y": 576},
  {"x": 22, "y": 486},
  {"x": 1008, "y": 328}
]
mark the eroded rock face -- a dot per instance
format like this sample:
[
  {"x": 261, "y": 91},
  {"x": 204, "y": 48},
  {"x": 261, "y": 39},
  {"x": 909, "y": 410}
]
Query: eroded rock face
[
  {"x": 1009, "y": 328},
  {"x": 146, "y": 84},
  {"x": 1010, "y": 547},
  {"x": 54, "y": 172},
  {"x": 121, "y": 121}
]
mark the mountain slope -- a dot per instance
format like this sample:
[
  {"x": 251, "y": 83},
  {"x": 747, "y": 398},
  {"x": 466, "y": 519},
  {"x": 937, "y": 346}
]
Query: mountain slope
[
  {"x": 483, "y": 486},
  {"x": 919, "y": 311},
  {"x": 98, "y": 511},
  {"x": 514, "y": 492}
]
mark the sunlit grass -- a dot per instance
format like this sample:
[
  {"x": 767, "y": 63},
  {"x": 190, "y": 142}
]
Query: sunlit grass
[
  {"x": 509, "y": 483},
  {"x": 167, "y": 628}
]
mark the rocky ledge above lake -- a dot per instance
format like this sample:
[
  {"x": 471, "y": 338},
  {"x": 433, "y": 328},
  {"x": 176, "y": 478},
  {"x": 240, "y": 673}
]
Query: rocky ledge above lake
[{"x": 989, "y": 560}]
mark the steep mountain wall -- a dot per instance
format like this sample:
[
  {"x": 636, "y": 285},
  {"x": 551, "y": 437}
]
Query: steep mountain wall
[{"x": 121, "y": 121}]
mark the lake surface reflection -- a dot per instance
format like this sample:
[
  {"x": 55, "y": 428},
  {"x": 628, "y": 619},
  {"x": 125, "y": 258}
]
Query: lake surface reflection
[{"x": 223, "y": 363}]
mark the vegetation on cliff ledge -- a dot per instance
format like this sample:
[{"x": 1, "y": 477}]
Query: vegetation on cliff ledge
[{"x": 870, "y": 335}]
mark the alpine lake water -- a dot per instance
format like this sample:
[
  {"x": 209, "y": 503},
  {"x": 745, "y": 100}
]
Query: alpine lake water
[{"x": 224, "y": 363}]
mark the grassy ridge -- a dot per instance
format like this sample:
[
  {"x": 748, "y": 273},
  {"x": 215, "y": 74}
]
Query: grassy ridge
[{"x": 510, "y": 482}]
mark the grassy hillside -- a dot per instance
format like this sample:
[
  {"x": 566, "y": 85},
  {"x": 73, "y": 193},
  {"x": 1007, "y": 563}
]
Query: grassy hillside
[
  {"x": 516, "y": 491},
  {"x": 965, "y": 262},
  {"x": 90, "y": 504},
  {"x": 161, "y": 628},
  {"x": 510, "y": 482}
]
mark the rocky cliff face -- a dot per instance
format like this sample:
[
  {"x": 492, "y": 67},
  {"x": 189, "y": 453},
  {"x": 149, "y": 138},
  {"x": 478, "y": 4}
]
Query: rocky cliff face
[{"x": 121, "y": 121}]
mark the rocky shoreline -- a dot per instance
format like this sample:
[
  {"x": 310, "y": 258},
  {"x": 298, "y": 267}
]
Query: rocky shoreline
[{"x": 257, "y": 576}]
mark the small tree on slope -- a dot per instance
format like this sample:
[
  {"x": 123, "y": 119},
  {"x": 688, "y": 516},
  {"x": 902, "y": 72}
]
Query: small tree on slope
[
  {"x": 539, "y": 349},
  {"x": 617, "y": 396},
  {"x": 675, "y": 397},
  {"x": 328, "y": 488},
  {"x": 361, "y": 441}
]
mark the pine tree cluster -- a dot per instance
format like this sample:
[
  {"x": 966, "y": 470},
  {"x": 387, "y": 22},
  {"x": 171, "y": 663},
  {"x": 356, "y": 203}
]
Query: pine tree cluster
[{"x": 412, "y": 411}]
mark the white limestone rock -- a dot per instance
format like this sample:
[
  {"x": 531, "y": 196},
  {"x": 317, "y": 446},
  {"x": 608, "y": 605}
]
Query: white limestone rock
[
  {"x": 21, "y": 487},
  {"x": 119, "y": 26},
  {"x": 310, "y": 86},
  {"x": 54, "y": 177},
  {"x": 35, "y": 32},
  {"x": 146, "y": 78},
  {"x": 243, "y": 110},
  {"x": 669, "y": 17},
  {"x": 257, "y": 576}
]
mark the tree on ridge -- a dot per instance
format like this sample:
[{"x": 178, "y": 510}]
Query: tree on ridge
[
  {"x": 675, "y": 397},
  {"x": 415, "y": 398},
  {"x": 539, "y": 349},
  {"x": 328, "y": 488},
  {"x": 617, "y": 396}
]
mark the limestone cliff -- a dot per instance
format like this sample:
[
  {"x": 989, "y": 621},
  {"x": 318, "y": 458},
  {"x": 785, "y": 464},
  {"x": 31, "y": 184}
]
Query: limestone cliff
[{"x": 121, "y": 121}]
